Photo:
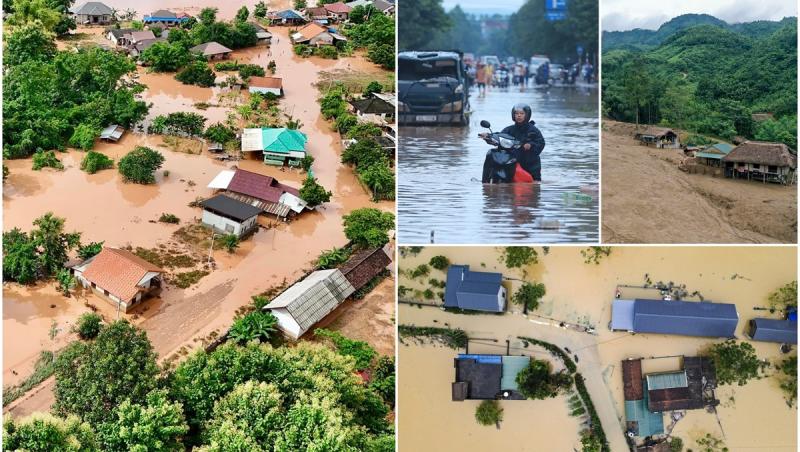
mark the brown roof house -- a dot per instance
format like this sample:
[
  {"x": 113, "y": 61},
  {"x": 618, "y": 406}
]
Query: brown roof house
[
  {"x": 315, "y": 34},
  {"x": 310, "y": 300},
  {"x": 263, "y": 192},
  {"x": 119, "y": 276},
  {"x": 265, "y": 85},
  {"x": 338, "y": 11},
  {"x": 212, "y": 50},
  {"x": 768, "y": 162},
  {"x": 659, "y": 137},
  {"x": 317, "y": 13}
]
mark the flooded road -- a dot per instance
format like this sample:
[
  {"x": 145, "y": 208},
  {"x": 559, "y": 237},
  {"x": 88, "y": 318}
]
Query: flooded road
[
  {"x": 751, "y": 417},
  {"x": 437, "y": 165}
]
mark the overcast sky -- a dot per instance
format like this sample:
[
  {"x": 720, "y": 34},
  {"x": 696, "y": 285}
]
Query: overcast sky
[
  {"x": 483, "y": 6},
  {"x": 619, "y": 15}
]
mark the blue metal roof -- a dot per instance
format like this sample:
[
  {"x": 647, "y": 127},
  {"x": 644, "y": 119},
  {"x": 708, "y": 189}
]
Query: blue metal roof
[
  {"x": 686, "y": 318},
  {"x": 289, "y": 14},
  {"x": 466, "y": 289},
  {"x": 483, "y": 359},
  {"x": 647, "y": 422},
  {"x": 773, "y": 330}
]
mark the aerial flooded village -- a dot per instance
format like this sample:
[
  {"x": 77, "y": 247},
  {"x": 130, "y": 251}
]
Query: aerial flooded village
[
  {"x": 198, "y": 219},
  {"x": 598, "y": 349}
]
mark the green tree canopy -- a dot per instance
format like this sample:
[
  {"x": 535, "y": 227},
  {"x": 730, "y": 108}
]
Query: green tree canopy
[
  {"x": 313, "y": 193},
  {"x": 529, "y": 294},
  {"x": 140, "y": 164},
  {"x": 368, "y": 227},
  {"x": 155, "y": 424},
  {"x": 537, "y": 382},
  {"x": 489, "y": 412},
  {"x": 735, "y": 362},
  {"x": 45, "y": 433}
]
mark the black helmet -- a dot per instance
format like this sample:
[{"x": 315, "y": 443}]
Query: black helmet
[{"x": 524, "y": 107}]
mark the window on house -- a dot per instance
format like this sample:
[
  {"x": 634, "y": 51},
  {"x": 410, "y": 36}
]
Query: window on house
[
  {"x": 756, "y": 166},
  {"x": 772, "y": 169},
  {"x": 229, "y": 228}
]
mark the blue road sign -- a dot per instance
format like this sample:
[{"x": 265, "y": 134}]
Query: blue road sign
[
  {"x": 579, "y": 49},
  {"x": 555, "y": 10}
]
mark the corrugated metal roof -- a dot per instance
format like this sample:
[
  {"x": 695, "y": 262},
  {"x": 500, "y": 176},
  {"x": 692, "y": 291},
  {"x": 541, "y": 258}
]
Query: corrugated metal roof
[
  {"x": 622, "y": 315},
  {"x": 466, "y": 289},
  {"x": 316, "y": 296},
  {"x": 230, "y": 208},
  {"x": 703, "y": 319},
  {"x": 648, "y": 423},
  {"x": 455, "y": 274},
  {"x": 774, "y": 330},
  {"x": 709, "y": 156},
  {"x": 667, "y": 380},
  {"x": 512, "y": 365}
]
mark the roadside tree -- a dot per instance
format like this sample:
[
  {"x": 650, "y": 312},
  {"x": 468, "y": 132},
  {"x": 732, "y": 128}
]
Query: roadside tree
[{"x": 368, "y": 227}]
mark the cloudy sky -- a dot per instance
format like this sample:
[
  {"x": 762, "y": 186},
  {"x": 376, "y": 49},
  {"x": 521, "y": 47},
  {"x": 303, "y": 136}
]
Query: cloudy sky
[
  {"x": 485, "y": 7},
  {"x": 620, "y": 15}
]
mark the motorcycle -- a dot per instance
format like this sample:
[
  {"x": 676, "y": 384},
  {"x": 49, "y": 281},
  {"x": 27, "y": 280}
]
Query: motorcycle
[
  {"x": 501, "y": 78},
  {"x": 501, "y": 165}
]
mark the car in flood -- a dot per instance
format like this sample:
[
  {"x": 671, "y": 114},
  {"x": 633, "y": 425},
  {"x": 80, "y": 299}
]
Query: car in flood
[{"x": 432, "y": 88}]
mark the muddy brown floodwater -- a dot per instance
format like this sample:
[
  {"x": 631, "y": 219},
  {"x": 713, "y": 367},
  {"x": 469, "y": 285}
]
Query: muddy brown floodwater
[
  {"x": 104, "y": 208},
  {"x": 757, "y": 418}
]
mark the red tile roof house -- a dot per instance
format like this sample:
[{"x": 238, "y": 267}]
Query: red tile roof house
[
  {"x": 119, "y": 276},
  {"x": 338, "y": 11},
  {"x": 260, "y": 191}
]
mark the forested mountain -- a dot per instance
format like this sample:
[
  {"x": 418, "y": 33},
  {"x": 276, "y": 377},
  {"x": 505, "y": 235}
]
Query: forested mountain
[
  {"x": 710, "y": 79},
  {"x": 646, "y": 39}
]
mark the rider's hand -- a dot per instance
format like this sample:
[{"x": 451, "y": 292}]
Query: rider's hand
[
  {"x": 526, "y": 146},
  {"x": 483, "y": 134}
]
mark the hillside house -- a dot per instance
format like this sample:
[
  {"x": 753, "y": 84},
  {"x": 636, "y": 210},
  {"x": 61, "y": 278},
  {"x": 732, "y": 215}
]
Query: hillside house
[
  {"x": 712, "y": 155},
  {"x": 475, "y": 291},
  {"x": 764, "y": 161},
  {"x": 120, "y": 277},
  {"x": 658, "y": 137},
  {"x": 93, "y": 13},
  {"x": 230, "y": 216}
]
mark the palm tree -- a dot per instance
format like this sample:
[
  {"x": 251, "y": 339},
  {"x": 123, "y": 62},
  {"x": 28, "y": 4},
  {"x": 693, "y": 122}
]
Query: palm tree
[{"x": 256, "y": 325}]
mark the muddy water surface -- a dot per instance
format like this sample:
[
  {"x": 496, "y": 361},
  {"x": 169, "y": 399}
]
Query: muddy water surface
[
  {"x": 756, "y": 419},
  {"x": 437, "y": 165}
]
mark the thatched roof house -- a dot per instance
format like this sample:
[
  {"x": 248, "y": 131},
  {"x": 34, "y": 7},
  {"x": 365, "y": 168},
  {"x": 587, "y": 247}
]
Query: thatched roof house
[
  {"x": 762, "y": 153},
  {"x": 661, "y": 137}
]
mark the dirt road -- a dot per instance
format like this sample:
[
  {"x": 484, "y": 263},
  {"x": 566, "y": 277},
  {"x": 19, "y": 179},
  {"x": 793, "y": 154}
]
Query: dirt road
[{"x": 647, "y": 199}]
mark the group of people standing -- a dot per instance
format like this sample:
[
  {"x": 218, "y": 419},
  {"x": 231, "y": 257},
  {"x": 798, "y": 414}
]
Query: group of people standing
[{"x": 520, "y": 74}]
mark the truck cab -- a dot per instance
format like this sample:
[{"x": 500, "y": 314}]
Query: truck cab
[{"x": 432, "y": 88}]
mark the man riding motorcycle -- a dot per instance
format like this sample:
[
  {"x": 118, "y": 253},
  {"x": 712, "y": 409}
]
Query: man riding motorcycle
[{"x": 532, "y": 140}]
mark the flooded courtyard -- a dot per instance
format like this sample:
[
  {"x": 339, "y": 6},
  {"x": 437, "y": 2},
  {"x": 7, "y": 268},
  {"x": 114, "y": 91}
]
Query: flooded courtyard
[
  {"x": 750, "y": 417},
  {"x": 439, "y": 171}
]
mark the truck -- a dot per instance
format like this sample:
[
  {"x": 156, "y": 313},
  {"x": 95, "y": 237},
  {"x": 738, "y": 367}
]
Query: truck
[{"x": 432, "y": 88}]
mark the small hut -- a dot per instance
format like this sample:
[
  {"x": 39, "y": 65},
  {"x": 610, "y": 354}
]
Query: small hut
[
  {"x": 760, "y": 160},
  {"x": 659, "y": 137}
]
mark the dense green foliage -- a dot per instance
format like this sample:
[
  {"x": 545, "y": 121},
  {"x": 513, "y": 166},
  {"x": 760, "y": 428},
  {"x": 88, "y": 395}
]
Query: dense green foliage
[
  {"x": 46, "y": 159},
  {"x": 140, "y": 164},
  {"x": 368, "y": 227},
  {"x": 84, "y": 135},
  {"x": 361, "y": 352},
  {"x": 788, "y": 379},
  {"x": 257, "y": 325},
  {"x": 88, "y": 325},
  {"x": 416, "y": 21},
  {"x": 45, "y": 433},
  {"x": 66, "y": 282},
  {"x": 529, "y": 294},
  {"x": 595, "y": 254},
  {"x": 89, "y": 250},
  {"x": 708, "y": 79},
  {"x": 93, "y": 378},
  {"x": 219, "y": 133},
  {"x": 235, "y": 35},
  {"x": 166, "y": 56},
  {"x": 40, "y": 254},
  {"x": 93, "y": 162},
  {"x": 537, "y": 382},
  {"x": 453, "y": 338},
  {"x": 518, "y": 256},
  {"x": 155, "y": 424},
  {"x": 48, "y": 94},
  {"x": 377, "y": 36},
  {"x": 313, "y": 193},
  {"x": 489, "y": 412},
  {"x": 196, "y": 73},
  {"x": 735, "y": 362},
  {"x": 230, "y": 242},
  {"x": 178, "y": 123}
]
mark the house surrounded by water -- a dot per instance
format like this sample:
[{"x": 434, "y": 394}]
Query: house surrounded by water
[
  {"x": 686, "y": 318},
  {"x": 120, "y": 277},
  {"x": 487, "y": 377},
  {"x": 474, "y": 291},
  {"x": 264, "y": 192}
]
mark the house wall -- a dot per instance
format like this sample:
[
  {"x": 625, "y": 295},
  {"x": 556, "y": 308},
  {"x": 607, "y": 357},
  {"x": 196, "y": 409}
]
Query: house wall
[
  {"x": 227, "y": 225},
  {"x": 287, "y": 323},
  {"x": 257, "y": 89},
  {"x": 501, "y": 298},
  {"x": 321, "y": 39},
  {"x": 93, "y": 19}
]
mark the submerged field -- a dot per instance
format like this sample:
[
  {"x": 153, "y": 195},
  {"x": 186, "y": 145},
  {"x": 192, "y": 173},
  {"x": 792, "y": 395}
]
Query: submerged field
[
  {"x": 647, "y": 199},
  {"x": 750, "y": 417}
]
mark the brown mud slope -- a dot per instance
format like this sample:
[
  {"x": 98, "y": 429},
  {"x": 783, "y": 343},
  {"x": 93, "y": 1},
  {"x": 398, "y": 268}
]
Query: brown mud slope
[{"x": 647, "y": 199}]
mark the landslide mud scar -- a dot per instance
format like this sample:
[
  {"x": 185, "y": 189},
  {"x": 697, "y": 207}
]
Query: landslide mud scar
[
  {"x": 751, "y": 417},
  {"x": 647, "y": 199}
]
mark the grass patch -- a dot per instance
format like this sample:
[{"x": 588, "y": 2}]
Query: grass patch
[
  {"x": 187, "y": 279},
  {"x": 169, "y": 218},
  {"x": 354, "y": 82},
  {"x": 183, "y": 145},
  {"x": 164, "y": 257},
  {"x": 453, "y": 338},
  {"x": 43, "y": 369}
]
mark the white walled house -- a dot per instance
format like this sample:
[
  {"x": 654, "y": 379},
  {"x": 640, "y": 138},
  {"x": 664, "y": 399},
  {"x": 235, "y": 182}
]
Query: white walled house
[
  {"x": 265, "y": 85},
  {"x": 119, "y": 276},
  {"x": 229, "y": 216}
]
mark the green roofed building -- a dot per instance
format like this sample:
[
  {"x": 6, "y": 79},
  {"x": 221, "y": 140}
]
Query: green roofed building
[
  {"x": 712, "y": 155},
  {"x": 280, "y": 146}
]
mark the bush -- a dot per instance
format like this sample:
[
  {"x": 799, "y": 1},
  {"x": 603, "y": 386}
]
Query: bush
[
  {"x": 332, "y": 258},
  {"x": 364, "y": 130},
  {"x": 257, "y": 325},
  {"x": 328, "y": 52},
  {"x": 88, "y": 326},
  {"x": 84, "y": 135},
  {"x": 519, "y": 256},
  {"x": 373, "y": 87},
  {"x": 196, "y": 73},
  {"x": 219, "y": 133},
  {"x": 420, "y": 270},
  {"x": 439, "y": 262},
  {"x": 66, "y": 281},
  {"x": 537, "y": 382},
  {"x": 230, "y": 242},
  {"x": 368, "y": 227},
  {"x": 46, "y": 159},
  {"x": 359, "y": 350},
  {"x": 249, "y": 70},
  {"x": 166, "y": 56},
  {"x": 169, "y": 218},
  {"x": 92, "y": 249},
  {"x": 180, "y": 123},
  {"x": 306, "y": 163},
  {"x": 453, "y": 338},
  {"x": 94, "y": 161},
  {"x": 139, "y": 165},
  {"x": 345, "y": 122},
  {"x": 272, "y": 67},
  {"x": 313, "y": 193},
  {"x": 363, "y": 153},
  {"x": 301, "y": 49},
  {"x": 379, "y": 178},
  {"x": 489, "y": 412}
]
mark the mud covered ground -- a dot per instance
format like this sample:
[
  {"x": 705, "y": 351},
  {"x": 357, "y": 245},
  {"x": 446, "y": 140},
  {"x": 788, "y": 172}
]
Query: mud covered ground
[{"x": 647, "y": 199}]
